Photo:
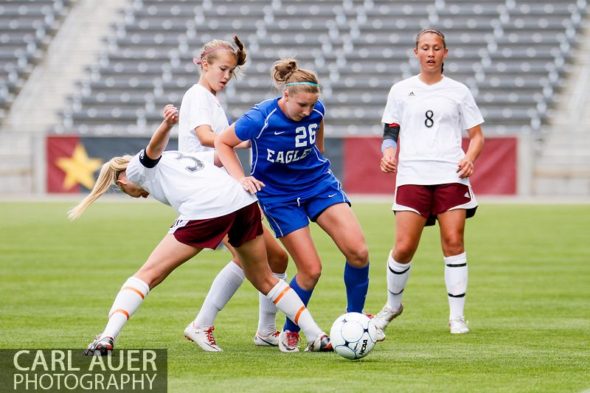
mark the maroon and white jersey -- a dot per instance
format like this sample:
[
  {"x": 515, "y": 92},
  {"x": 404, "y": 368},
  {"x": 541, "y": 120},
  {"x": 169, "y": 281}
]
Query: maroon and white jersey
[
  {"x": 190, "y": 183},
  {"x": 199, "y": 107},
  {"x": 432, "y": 120}
]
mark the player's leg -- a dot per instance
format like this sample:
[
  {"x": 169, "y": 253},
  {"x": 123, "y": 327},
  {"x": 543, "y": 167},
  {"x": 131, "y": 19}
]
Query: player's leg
[
  {"x": 300, "y": 246},
  {"x": 340, "y": 223},
  {"x": 278, "y": 258},
  {"x": 408, "y": 230},
  {"x": 267, "y": 334},
  {"x": 452, "y": 226},
  {"x": 453, "y": 203},
  {"x": 291, "y": 225},
  {"x": 409, "y": 226},
  {"x": 224, "y": 286},
  {"x": 210, "y": 233},
  {"x": 279, "y": 292},
  {"x": 252, "y": 253},
  {"x": 166, "y": 257},
  {"x": 412, "y": 207}
]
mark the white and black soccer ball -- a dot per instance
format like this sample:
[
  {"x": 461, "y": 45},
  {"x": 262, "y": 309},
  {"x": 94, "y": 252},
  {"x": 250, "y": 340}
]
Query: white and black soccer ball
[{"x": 353, "y": 335}]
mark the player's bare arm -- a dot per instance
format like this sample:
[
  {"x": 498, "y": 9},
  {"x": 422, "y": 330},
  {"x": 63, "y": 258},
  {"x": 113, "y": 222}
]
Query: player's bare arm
[
  {"x": 466, "y": 166},
  {"x": 225, "y": 143},
  {"x": 159, "y": 140}
]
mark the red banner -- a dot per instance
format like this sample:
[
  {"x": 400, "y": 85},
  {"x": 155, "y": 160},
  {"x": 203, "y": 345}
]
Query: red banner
[
  {"x": 59, "y": 147},
  {"x": 69, "y": 166},
  {"x": 495, "y": 169},
  {"x": 72, "y": 163},
  {"x": 361, "y": 167}
]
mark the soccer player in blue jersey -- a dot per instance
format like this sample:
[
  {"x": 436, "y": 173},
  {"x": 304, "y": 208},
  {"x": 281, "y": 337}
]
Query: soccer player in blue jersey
[{"x": 295, "y": 184}]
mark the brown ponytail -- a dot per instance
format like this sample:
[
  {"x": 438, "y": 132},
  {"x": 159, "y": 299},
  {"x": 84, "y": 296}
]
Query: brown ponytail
[
  {"x": 211, "y": 49},
  {"x": 287, "y": 75}
]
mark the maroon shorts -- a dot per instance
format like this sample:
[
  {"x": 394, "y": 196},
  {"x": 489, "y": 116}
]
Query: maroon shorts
[
  {"x": 240, "y": 226},
  {"x": 432, "y": 200}
]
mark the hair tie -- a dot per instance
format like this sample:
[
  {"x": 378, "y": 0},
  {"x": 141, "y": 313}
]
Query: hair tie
[{"x": 302, "y": 83}]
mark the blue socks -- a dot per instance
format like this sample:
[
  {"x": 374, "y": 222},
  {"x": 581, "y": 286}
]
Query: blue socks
[{"x": 356, "y": 280}]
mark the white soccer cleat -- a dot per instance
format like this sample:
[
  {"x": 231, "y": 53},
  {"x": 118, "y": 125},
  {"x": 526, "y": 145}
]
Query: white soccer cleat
[
  {"x": 100, "y": 346},
  {"x": 322, "y": 343},
  {"x": 383, "y": 318},
  {"x": 271, "y": 340},
  {"x": 458, "y": 326},
  {"x": 289, "y": 341},
  {"x": 203, "y": 337}
]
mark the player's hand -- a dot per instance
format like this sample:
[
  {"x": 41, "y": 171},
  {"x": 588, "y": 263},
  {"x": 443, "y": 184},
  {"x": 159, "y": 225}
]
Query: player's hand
[
  {"x": 465, "y": 168},
  {"x": 388, "y": 163},
  {"x": 251, "y": 184},
  {"x": 170, "y": 114}
]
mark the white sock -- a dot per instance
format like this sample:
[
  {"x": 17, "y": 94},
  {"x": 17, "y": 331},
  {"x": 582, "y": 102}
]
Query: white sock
[
  {"x": 288, "y": 302},
  {"x": 223, "y": 287},
  {"x": 456, "y": 282},
  {"x": 397, "y": 277},
  {"x": 126, "y": 302},
  {"x": 267, "y": 311}
]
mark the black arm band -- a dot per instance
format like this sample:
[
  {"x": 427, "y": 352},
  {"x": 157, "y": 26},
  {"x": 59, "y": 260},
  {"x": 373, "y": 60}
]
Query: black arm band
[
  {"x": 391, "y": 131},
  {"x": 146, "y": 161}
]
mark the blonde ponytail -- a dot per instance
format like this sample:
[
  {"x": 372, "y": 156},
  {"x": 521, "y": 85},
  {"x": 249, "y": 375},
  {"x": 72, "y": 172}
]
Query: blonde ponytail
[{"x": 106, "y": 178}]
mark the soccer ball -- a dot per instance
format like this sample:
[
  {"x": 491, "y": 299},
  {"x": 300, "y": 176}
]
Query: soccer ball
[{"x": 353, "y": 335}]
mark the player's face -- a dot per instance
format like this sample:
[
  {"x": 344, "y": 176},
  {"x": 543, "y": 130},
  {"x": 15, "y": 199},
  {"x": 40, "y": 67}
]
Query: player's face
[
  {"x": 130, "y": 188},
  {"x": 431, "y": 53},
  {"x": 219, "y": 72},
  {"x": 299, "y": 105}
]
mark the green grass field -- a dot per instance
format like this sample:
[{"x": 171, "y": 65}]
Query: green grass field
[{"x": 528, "y": 302}]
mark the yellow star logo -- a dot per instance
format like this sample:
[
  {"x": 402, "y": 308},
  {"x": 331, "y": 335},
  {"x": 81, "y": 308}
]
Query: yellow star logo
[{"x": 79, "y": 168}]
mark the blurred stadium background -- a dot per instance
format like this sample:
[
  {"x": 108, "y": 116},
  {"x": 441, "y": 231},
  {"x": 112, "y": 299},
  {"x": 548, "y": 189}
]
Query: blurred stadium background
[{"x": 83, "y": 80}]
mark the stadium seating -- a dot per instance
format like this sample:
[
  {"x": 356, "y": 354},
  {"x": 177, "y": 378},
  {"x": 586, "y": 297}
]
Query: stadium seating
[
  {"x": 513, "y": 54},
  {"x": 25, "y": 30}
]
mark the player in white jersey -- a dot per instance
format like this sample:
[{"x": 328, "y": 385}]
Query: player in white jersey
[
  {"x": 429, "y": 113},
  {"x": 210, "y": 205},
  {"x": 201, "y": 118}
]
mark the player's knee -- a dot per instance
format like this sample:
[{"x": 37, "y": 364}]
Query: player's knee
[
  {"x": 309, "y": 277},
  {"x": 278, "y": 260},
  {"x": 263, "y": 283},
  {"x": 403, "y": 252},
  {"x": 452, "y": 245},
  {"x": 359, "y": 256}
]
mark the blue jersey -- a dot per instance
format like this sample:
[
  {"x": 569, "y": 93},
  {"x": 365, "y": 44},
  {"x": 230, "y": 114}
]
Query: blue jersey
[{"x": 284, "y": 154}]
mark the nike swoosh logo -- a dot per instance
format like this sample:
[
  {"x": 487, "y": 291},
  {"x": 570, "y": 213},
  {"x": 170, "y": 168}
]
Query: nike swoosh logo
[
  {"x": 279, "y": 132},
  {"x": 331, "y": 195}
]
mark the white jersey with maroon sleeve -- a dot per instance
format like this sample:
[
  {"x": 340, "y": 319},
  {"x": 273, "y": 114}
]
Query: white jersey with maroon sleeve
[
  {"x": 199, "y": 107},
  {"x": 190, "y": 183},
  {"x": 432, "y": 120}
]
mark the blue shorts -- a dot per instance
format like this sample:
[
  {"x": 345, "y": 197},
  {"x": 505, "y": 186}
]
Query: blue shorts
[{"x": 287, "y": 217}]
